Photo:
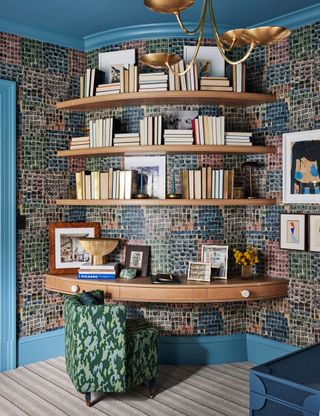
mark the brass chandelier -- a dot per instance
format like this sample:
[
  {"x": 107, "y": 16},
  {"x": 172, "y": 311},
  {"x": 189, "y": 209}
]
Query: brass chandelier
[{"x": 250, "y": 38}]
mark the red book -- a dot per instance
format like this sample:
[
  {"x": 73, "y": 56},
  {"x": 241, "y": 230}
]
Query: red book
[{"x": 195, "y": 133}]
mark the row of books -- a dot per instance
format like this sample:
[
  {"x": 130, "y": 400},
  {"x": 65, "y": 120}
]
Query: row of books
[
  {"x": 101, "y": 132},
  {"x": 89, "y": 82},
  {"x": 96, "y": 272},
  {"x": 209, "y": 130},
  {"x": 186, "y": 82},
  {"x": 238, "y": 139},
  {"x": 208, "y": 183},
  {"x": 237, "y": 74},
  {"x": 151, "y": 131},
  {"x": 153, "y": 81},
  {"x": 113, "y": 184}
]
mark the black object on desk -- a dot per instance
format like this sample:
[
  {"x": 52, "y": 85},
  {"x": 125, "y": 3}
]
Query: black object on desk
[{"x": 165, "y": 279}]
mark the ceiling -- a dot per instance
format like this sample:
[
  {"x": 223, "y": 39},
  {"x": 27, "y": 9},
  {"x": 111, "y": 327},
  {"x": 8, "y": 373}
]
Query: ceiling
[{"x": 78, "y": 19}]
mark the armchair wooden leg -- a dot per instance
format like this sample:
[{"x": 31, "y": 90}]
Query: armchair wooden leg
[
  {"x": 152, "y": 387},
  {"x": 88, "y": 399}
]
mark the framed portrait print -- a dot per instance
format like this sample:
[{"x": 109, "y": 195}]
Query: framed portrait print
[
  {"x": 314, "y": 232},
  {"x": 301, "y": 167},
  {"x": 217, "y": 256},
  {"x": 199, "y": 271},
  {"x": 137, "y": 257},
  {"x": 111, "y": 62},
  {"x": 66, "y": 254},
  {"x": 292, "y": 231}
]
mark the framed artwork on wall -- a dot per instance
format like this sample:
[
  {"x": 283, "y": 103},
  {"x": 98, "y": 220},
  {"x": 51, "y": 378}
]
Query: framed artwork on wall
[
  {"x": 293, "y": 231},
  {"x": 137, "y": 257},
  {"x": 301, "y": 167},
  {"x": 111, "y": 62},
  {"x": 199, "y": 271},
  {"x": 314, "y": 232},
  {"x": 217, "y": 256},
  {"x": 66, "y": 254}
]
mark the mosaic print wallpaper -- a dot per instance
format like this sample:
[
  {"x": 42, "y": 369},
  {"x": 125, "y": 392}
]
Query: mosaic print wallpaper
[{"x": 46, "y": 73}]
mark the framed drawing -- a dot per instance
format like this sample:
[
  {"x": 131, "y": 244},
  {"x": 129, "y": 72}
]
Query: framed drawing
[
  {"x": 137, "y": 257},
  {"x": 111, "y": 62},
  {"x": 292, "y": 231},
  {"x": 301, "y": 167},
  {"x": 151, "y": 174},
  {"x": 65, "y": 252},
  {"x": 199, "y": 271},
  {"x": 314, "y": 232},
  {"x": 217, "y": 256},
  {"x": 209, "y": 60}
]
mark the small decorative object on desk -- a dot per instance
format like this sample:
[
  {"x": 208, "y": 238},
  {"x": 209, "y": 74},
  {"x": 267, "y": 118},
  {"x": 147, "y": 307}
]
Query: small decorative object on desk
[
  {"x": 165, "y": 279},
  {"x": 128, "y": 273},
  {"x": 137, "y": 257},
  {"x": 199, "y": 271},
  {"x": 246, "y": 259}
]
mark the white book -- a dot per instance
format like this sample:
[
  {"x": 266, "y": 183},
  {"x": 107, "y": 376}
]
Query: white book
[
  {"x": 214, "y": 130},
  {"x": 141, "y": 123},
  {"x": 122, "y": 179},
  {"x": 122, "y": 135},
  {"x": 183, "y": 77},
  {"x": 114, "y": 184},
  {"x": 150, "y": 131},
  {"x": 128, "y": 184},
  {"x": 239, "y": 138},
  {"x": 197, "y": 132},
  {"x": 222, "y": 128},
  {"x": 104, "y": 185},
  {"x": 171, "y": 81},
  {"x": 103, "y": 139},
  {"x": 238, "y": 133},
  {"x": 94, "y": 140},
  {"x": 221, "y": 176},
  {"x": 146, "y": 132},
  {"x": 91, "y": 132},
  {"x": 107, "y": 132},
  {"x": 155, "y": 130},
  {"x": 87, "y": 82},
  {"x": 117, "y": 184},
  {"x": 111, "y": 132},
  {"x": 218, "y": 130},
  {"x": 197, "y": 184},
  {"x": 191, "y": 184},
  {"x": 210, "y": 138},
  {"x": 159, "y": 130},
  {"x": 239, "y": 77},
  {"x": 201, "y": 130},
  {"x": 192, "y": 78},
  {"x": 107, "y": 266}
]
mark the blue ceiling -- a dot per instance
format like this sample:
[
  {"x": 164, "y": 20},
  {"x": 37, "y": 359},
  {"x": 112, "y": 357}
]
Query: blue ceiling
[{"x": 80, "y": 18}]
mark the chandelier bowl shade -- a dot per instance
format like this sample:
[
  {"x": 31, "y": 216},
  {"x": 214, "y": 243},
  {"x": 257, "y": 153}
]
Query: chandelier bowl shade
[
  {"x": 159, "y": 59},
  {"x": 168, "y": 6},
  {"x": 265, "y": 35}
]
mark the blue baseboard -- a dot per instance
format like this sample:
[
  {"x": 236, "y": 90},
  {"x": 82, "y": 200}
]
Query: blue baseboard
[{"x": 177, "y": 350}]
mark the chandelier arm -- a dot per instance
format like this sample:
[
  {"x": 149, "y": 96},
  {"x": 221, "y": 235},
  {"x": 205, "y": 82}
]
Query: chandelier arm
[
  {"x": 220, "y": 45},
  {"x": 196, "y": 29}
]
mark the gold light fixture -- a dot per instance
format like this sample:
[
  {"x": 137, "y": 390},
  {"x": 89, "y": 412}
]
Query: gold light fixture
[{"x": 251, "y": 38}]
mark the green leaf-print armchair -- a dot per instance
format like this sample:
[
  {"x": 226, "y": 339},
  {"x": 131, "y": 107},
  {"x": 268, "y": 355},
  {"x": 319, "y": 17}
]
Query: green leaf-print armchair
[{"x": 105, "y": 352}]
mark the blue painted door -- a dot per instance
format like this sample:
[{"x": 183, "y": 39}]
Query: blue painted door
[{"x": 7, "y": 225}]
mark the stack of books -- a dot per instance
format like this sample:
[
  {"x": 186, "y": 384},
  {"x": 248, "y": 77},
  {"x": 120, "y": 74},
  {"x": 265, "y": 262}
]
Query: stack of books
[
  {"x": 209, "y": 130},
  {"x": 126, "y": 139},
  {"x": 238, "y": 139},
  {"x": 113, "y": 184},
  {"x": 176, "y": 82},
  {"x": 96, "y": 272},
  {"x": 155, "y": 81},
  {"x": 237, "y": 76},
  {"x": 207, "y": 183},
  {"x": 215, "y": 84},
  {"x": 103, "y": 89},
  {"x": 101, "y": 132},
  {"x": 178, "y": 136},
  {"x": 90, "y": 81},
  {"x": 79, "y": 143},
  {"x": 129, "y": 79},
  {"x": 151, "y": 131},
  {"x": 192, "y": 78}
]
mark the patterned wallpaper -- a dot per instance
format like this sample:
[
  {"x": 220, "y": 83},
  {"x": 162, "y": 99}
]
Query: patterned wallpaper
[{"x": 46, "y": 74}]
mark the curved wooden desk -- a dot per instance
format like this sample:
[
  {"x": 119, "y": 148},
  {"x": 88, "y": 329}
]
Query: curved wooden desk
[{"x": 142, "y": 290}]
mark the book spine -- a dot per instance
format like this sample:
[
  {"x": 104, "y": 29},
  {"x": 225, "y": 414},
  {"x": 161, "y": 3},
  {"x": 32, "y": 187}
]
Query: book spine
[
  {"x": 84, "y": 276},
  {"x": 185, "y": 184},
  {"x": 204, "y": 183},
  {"x": 79, "y": 185}
]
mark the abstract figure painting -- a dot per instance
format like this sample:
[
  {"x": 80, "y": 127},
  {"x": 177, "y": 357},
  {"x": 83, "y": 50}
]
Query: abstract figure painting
[
  {"x": 292, "y": 231},
  {"x": 301, "y": 167}
]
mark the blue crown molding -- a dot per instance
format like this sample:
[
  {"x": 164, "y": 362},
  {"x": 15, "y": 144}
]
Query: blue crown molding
[
  {"x": 293, "y": 20},
  {"x": 8, "y": 309},
  {"x": 142, "y": 32},
  {"x": 41, "y": 35}
]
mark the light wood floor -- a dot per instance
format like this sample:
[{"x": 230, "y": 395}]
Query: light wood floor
[{"x": 44, "y": 389}]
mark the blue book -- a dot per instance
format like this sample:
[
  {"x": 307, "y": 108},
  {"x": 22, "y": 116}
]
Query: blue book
[{"x": 91, "y": 276}]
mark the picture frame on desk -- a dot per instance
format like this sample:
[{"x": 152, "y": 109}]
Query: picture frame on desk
[
  {"x": 301, "y": 167},
  {"x": 217, "y": 256},
  {"x": 199, "y": 271},
  {"x": 137, "y": 257},
  {"x": 65, "y": 252},
  {"x": 293, "y": 231}
]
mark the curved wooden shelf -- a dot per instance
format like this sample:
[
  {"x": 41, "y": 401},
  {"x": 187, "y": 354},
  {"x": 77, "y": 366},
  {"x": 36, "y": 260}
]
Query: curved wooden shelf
[
  {"x": 142, "y": 290},
  {"x": 166, "y": 150},
  {"x": 166, "y": 202},
  {"x": 165, "y": 97}
]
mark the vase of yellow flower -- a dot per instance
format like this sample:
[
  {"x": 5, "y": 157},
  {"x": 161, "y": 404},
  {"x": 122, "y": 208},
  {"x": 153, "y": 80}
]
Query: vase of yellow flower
[{"x": 246, "y": 259}]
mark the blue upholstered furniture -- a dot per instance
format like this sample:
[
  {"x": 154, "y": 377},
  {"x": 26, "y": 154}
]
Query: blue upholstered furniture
[{"x": 105, "y": 352}]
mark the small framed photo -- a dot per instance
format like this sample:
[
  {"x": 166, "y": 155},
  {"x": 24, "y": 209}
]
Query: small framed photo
[
  {"x": 292, "y": 231},
  {"x": 199, "y": 271},
  {"x": 115, "y": 72},
  {"x": 66, "y": 254},
  {"x": 137, "y": 257},
  {"x": 217, "y": 256},
  {"x": 116, "y": 59},
  {"x": 209, "y": 60},
  {"x": 314, "y": 232}
]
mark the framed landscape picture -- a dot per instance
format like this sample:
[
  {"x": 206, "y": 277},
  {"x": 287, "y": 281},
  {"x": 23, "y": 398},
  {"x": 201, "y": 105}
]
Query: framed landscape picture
[
  {"x": 314, "y": 232},
  {"x": 111, "y": 62},
  {"x": 292, "y": 231},
  {"x": 65, "y": 252},
  {"x": 217, "y": 256},
  {"x": 301, "y": 167}
]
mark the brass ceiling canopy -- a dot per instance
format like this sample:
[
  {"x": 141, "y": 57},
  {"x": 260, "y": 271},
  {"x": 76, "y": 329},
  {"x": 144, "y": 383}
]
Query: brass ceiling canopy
[
  {"x": 168, "y": 6},
  {"x": 159, "y": 59},
  {"x": 250, "y": 38}
]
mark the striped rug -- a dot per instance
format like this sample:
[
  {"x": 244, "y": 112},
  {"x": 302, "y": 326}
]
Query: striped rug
[{"x": 44, "y": 389}]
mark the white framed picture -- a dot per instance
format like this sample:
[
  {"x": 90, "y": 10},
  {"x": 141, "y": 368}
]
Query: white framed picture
[
  {"x": 151, "y": 174},
  {"x": 292, "y": 231},
  {"x": 209, "y": 60},
  {"x": 111, "y": 62},
  {"x": 199, "y": 271},
  {"x": 301, "y": 167},
  {"x": 314, "y": 232},
  {"x": 217, "y": 256}
]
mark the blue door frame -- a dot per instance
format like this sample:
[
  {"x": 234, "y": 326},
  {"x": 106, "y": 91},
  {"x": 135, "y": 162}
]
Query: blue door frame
[{"x": 8, "y": 340}]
